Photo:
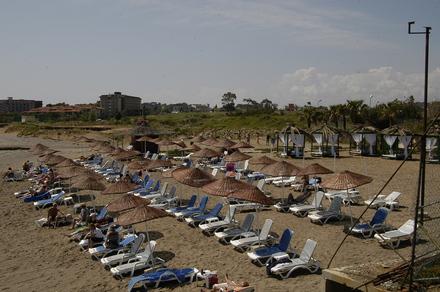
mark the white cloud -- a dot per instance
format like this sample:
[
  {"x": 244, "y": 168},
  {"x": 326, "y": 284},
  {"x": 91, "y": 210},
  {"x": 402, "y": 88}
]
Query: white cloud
[{"x": 384, "y": 83}]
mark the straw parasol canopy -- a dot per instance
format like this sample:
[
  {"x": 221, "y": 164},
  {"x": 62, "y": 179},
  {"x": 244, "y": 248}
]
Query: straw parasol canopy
[
  {"x": 181, "y": 144},
  {"x": 141, "y": 214},
  {"x": 90, "y": 183},
  {"x": 66, "y": 163},
  {"x": 138, "y": 164},
  {"x": 205, "y": 153},
  {"x": 47, "y": 152},
  {"x": 262, "y": 160},
  {"x": 198, "y": 139},
  {"x": 345, "y": 180},
  {"x": 54, "y": 159},
  {"x": 223, "y": 187},
  {"x": 86, "y": 175},
  {"x": 192, "y": 147},
  {"x": 280, "y": 168},
  {"x": 236, "y": 156},
  {"x": 125, "y": 202},
  {"x": 314, "y": 168},
  {"x": 145, "y": 139},
  {"x": 165, "y": 142},
  {"x": 126, "y": 155},
  {"x": 241, "y": 144},
  {"x": 194, "y": 177},
  {"x": 39, "y": 148},
  {"x": 209, "y": 142},
  {"x": 251, "y": 193},
  {"x": 119, "y": 187},
  {"x": 225, "y": 143},
  {"x": 117, "y": 151},
  {"x": 71, "y": 171},
  {"x": 159, "y": 163}
]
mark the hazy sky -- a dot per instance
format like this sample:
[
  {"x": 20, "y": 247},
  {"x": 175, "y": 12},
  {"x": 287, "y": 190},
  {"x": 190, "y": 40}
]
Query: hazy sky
[{"x": 290, "y": 51}]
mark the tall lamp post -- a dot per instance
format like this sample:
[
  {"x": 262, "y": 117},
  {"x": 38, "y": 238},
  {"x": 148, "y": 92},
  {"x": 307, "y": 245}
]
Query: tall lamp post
[{"x": 420, "y": 201}]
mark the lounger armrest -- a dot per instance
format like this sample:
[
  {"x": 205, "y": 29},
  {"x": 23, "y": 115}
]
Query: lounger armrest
[
  {"x": 210, "y": 220},
  {"x": 381, "y": 197}
]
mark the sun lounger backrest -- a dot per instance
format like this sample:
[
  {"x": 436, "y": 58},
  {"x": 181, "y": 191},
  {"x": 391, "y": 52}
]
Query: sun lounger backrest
[
  {"x": 392, "y": 197},
  {"x": 317, "y": 199},
  {"x": 335, "y": 206},
  {"x": 149, "y": 248},
  {"x": 149, "y": 183},
  {"x": 146, "y": 178},
  {"x": 156, "y": 186},
  {"x": 102, "y": 213},
  {"x": 247, "y": 223},
  {"x": 307, "y": 252},
  {"x": 246, "y": 164},
  {"x": 164, "y": 188},
  {"x": 137, "y": 243},
  {"x": 230, "y": 215},
  {"x": 216, "y": 210},
  {"x": 407, "y": 227},
  {"x": 129, "y": 239},
  {"x": 203, "y": 202},
  {"x": 172, "y": 192},
  {"x": 192, "y": 201},
  {"x": 380, "y": 216},
  {"x": 265, "y": 229},
  {"x": 260, "y": 185},
  {"x": 285, "y": 239}
]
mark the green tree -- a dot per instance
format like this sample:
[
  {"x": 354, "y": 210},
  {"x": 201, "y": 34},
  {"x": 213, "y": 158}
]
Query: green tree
[{"x": 228, "y": 101}]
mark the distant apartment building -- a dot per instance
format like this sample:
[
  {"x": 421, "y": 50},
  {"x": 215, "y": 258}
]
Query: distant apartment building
[
  {"x": 11, "y": 105},
  {"x": 117, "y": 102},
  {"x": 291, "y": 107}
]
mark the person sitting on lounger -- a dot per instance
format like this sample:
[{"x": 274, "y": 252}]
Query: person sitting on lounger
[
  {"x": 52, "y": 215},
  {"x": 26, "y": 166},
  {"x": 83, "y": 219},
  {"x": 229, "y": 286},
  {"x": 112, "y": 238},
  {"x": 95, "y": 236}
]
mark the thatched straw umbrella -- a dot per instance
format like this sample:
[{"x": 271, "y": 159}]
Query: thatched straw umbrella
[
  {"x": 194, "y": 177},
  {"x": 205, "y": 153},
  {"x": 158, "y": 164},
  {"x": 346, "y": 180},
  {"x": 90, "y": 183},
  {"x": 125, "y": 202},
  {"x": 223, "y": 187},
  {"x": 236, "y": 157},
  {"x": 209, "y": 142},
  {"x": 280, "y": 168},
  {"x": 55, "y": 159},
  {"x": 313, "y": 169},
  {"x": 225, "y": 143},
  {"x": 262, "y": 160},
  {"x": 241, "y": 144},
  {"x": 66, "y": 163},
  {"x": 119, "y": 187}
]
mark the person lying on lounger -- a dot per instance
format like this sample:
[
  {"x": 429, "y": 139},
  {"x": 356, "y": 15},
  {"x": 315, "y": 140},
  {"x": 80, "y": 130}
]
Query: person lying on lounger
[
  {"x": 9, "y": 174},
  {"x": 229, "y": 286}
]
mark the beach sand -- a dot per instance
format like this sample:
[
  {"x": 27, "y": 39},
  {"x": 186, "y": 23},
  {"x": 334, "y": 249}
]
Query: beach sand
[{"x": 40, "y": 259}]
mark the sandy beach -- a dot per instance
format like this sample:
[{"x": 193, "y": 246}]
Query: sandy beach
[{"x": 40, "y": 259}]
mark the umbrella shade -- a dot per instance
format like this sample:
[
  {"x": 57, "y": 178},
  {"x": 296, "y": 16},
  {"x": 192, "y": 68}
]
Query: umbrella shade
[
  {"x": 119, "y": 187},
  {"x": 105, "y": 149},
  {"x": 71, "y": 171},
  {"x": 47, "y": 152},
  {"x": 159, "y": 163},
  {"x": 251, "y": 194},
  {"x": 86, "y": 175},
  {"x": 145, "y": 139},
  {"x": 125, "y": 202},
  {"x": 140, "y": 214},
  {"x": 117, "y": 151},
  {"x": 181, "y": 144},
  {"x": 39, "y": 148},
  {"x": 89, "y": 183},
  {"x": 136, "y": 164},
  {"x": 66, "y": 163},
  {"x": 165, "y": 142},
  {"x": 241, "y": 144},
  {"x": 262, "y": 160},
  {"x": 194, "y": 177},
  {"x": 225, "y": 143},
  {"x": 198, "y": 139},
  {"x": 209, "y": 142},
  {"x": 55, "y": 159},
  {"x": 314, "y": 168},
  {"x": 345, "y": 180},
  {"x": 224, "y": 186},
  {"x": 236, "y": 156},
  {"x": 205, "y": 153},
  {"x": 125, "y": 155},
  {"x": 280, "y": 168}
]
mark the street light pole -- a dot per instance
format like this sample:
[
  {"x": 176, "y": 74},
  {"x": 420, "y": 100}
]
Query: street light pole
[
  {"x": 371, "y": 96},
  {"x": 420, "y": 200}
]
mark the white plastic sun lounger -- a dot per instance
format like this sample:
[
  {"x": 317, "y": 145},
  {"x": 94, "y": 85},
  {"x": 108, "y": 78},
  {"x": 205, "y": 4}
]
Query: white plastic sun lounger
[
  {"x": 305, "y": 261},
  {"x": 302, "y": 210},
  {"x": 351, "y": 197},
  {"x": 102, "y": 250},
  {"x": 232, "y": 232},
  {"x": 333, "y": 212},
  {"x": 393, "y": 238},
  {"x": 390, "y": 201},
  {"x": 244, "y": 243},
  {"x": 212, "y": 225},
  {"x": 141, "y": 261},
  {"x": 284, "y": 182},
  {"x": 122, "y": 257}
]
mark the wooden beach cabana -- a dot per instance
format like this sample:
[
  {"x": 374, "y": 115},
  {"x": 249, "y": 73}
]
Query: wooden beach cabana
[
  {"x": 364, "y": 141},
  {"x": 294, "y": 137},
  {"x": 325, "y": 141},
  {"x": 398, "y": 143}
]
